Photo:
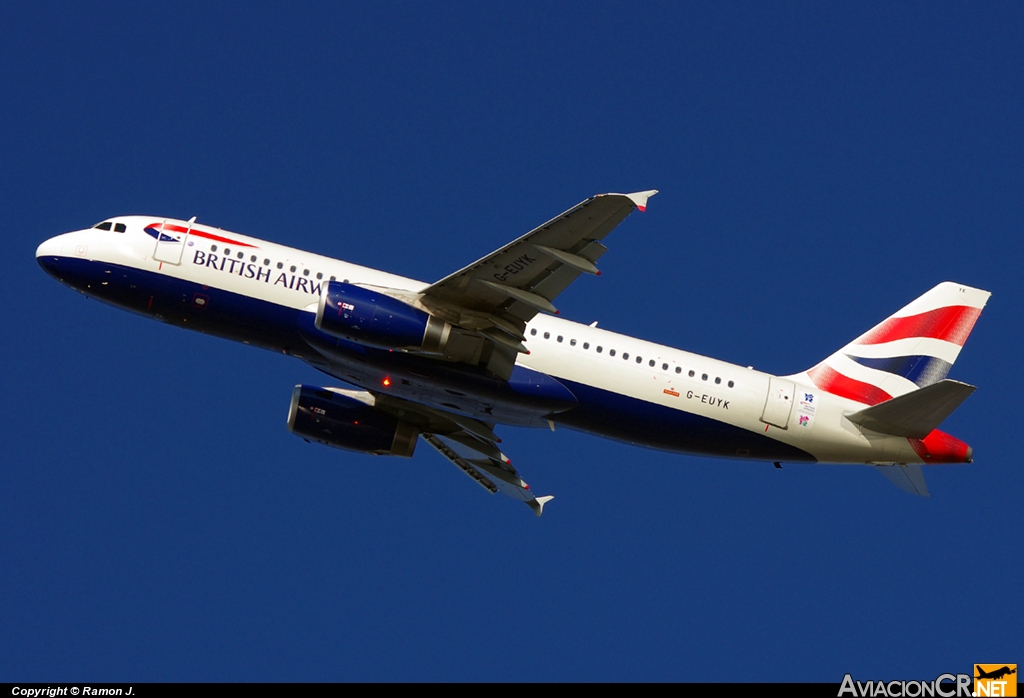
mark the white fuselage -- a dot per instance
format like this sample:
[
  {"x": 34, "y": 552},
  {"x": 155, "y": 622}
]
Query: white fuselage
[{"x": 573, "y": 353}]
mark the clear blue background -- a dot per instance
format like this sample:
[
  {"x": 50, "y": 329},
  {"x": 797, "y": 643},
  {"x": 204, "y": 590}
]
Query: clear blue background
[{"x": 820, "y": 165}]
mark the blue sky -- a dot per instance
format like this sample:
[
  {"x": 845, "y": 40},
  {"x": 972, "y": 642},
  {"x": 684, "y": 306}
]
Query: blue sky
[{"x": 820, "y": 165}]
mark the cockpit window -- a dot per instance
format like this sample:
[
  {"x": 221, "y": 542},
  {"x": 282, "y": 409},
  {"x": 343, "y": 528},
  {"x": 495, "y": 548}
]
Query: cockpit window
[{"x": 107, "y": 225}]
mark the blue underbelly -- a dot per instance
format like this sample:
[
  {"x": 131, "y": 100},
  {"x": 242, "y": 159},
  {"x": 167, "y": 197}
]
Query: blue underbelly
[
  {"x": 524, "y": 400},
  {"x": 527, "y": 400},
  {"x": 642, "y": 423}
]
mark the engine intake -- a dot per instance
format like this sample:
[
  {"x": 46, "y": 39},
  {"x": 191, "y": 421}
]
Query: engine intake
[{"x": 343, "y": 421}]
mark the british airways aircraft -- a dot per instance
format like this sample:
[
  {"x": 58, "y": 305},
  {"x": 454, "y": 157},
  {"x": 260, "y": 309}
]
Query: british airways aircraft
[{"x": 448, "y": 361}]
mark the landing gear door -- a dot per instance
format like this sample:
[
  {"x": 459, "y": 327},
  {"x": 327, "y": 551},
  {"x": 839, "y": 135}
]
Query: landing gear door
[
  {"x": 170, "y": 242},
  {"x": 779, "y": 403}
]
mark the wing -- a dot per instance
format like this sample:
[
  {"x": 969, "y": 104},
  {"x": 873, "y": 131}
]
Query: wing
[
  {"x": 497, "y": 295},
  {"x": 470, "y": 444},
  {"x": 493, "y": 471}
]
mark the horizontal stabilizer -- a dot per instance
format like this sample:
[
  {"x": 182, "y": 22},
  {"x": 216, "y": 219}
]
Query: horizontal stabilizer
[
  {"x": 914, "y": 414},
  {"x": 908, "y": 478}
]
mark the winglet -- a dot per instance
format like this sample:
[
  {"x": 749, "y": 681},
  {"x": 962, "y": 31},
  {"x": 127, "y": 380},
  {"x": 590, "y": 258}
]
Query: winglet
[
  {"x": 538, "y": 504},
  {"x": 640, "y": 198}
]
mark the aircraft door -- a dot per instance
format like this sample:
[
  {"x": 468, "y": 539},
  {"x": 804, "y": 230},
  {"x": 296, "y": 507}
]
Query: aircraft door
[
  {"x": 779, "y": 402},
  {"x": 171, "y": 245}
]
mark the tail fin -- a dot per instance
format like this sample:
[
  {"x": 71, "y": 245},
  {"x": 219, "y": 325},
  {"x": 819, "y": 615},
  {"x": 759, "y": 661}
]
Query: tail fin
[{"x": 911, "y": 349}]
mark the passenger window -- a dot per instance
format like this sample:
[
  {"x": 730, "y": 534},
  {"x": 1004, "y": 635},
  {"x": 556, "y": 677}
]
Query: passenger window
[
  {"x": 266, "y": 262},
  {"x": 333, "y": 279},
  {"x": 227, "y": 252},
  {"x": 280, "y": 265},
  {"x": 319, "y": 275},
  {"x": 731, "y": 384},
  {"x": 547, "y": 335},
  {"x": 611, "y": 352},
  {"x": 586, "y": 345},
  {"x": 292, "y": 269},
  {"x": 559, "y": 338},
  {"x": 664, "y": 367},
  {"x": 213, "y": 248},
  {"x": 119, "y": 227},
  {"x": 305, "y": 272},
  {"x": 572, "y": 342},
  {"x": 253, "y": 258},
  {"x": 717, "y": 380},
  {"x": 534, "y": 332},
  {"x": 651, "y": 363},
  {"x": 704, "y": 377},
  {"x": 241, "y": 255},
  {"x": 679, "y": 369},
  {"x": 692, "y": 374},
  {"x": 625, "y": 355}
]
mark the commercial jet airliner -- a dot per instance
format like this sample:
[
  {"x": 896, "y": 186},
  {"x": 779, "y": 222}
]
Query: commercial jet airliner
[{"x": 447, "y": 361}]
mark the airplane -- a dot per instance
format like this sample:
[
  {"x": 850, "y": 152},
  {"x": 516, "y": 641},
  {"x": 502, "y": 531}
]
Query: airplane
[
  {"x": 995, "y": 673},
  {"x": 448, "y": 361}
]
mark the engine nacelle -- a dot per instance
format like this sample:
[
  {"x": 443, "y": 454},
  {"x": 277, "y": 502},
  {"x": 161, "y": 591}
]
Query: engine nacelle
[
  {"x": 346, "y": 421},
  {"x": 369, "y": 317}
]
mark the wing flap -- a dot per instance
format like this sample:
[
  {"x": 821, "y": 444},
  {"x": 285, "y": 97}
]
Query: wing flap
[
  {"x": 531, "y": 299},
  {"x": 459, "y": 462},
  {"x": 568, "y": 258}
]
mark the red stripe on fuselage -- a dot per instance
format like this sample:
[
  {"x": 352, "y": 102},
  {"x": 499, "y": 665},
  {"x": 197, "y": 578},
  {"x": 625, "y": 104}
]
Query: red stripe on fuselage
[
  {"x": 951, "y": 324},
  {"x": 198, "y": 233},
  {"x": 832, "y": 381}
]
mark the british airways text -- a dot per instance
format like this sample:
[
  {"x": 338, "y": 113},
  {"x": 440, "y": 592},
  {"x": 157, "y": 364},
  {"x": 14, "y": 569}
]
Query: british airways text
[{"x": 248, "y": 270}]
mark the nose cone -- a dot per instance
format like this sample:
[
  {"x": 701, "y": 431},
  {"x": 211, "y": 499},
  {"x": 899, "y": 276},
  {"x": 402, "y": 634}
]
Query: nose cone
[
  {"x": 51, "y": 247},
  {"x": 48, "y": 254},
  {"x": 62, "y": 256}
]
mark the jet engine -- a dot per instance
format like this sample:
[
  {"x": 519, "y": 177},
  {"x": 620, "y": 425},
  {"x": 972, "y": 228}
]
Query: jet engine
[
  {"x": 349, "y": 420},
  {"x": 369, "y": 317}
]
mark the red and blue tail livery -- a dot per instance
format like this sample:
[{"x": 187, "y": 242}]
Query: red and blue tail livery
[
  {"x": 912, "y": 349},
  {"x": 448, "y": 362}
]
